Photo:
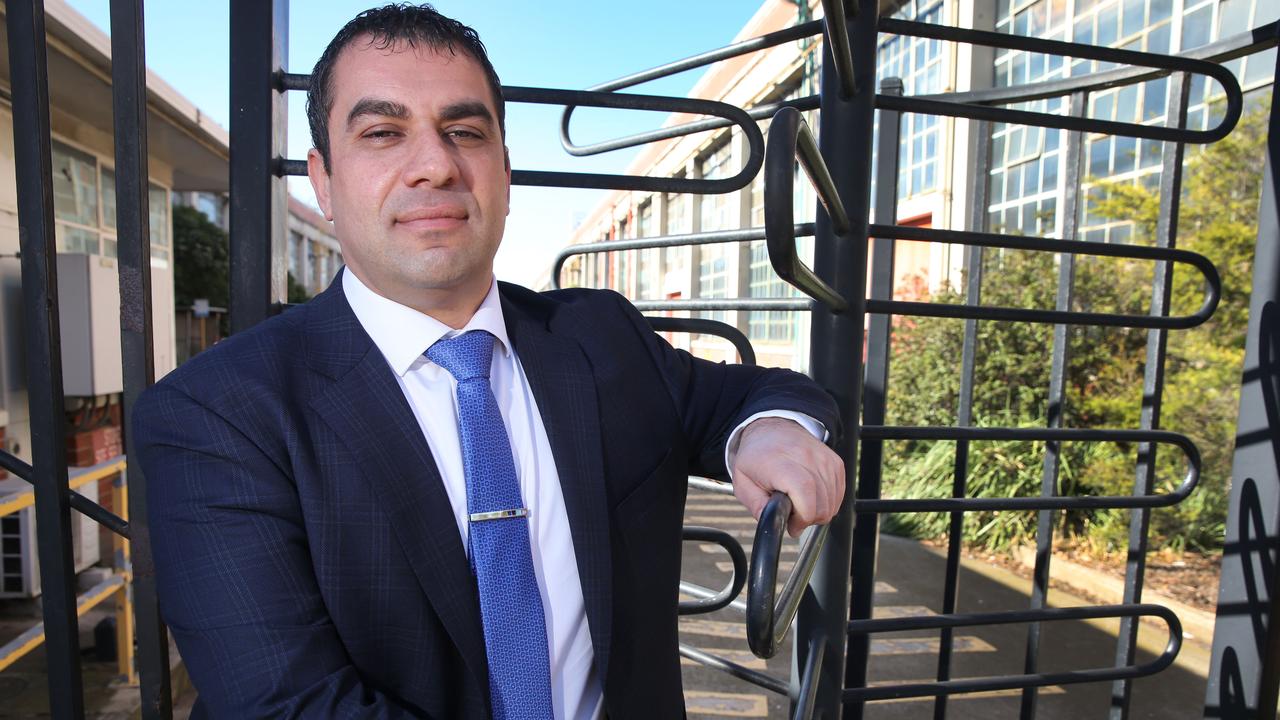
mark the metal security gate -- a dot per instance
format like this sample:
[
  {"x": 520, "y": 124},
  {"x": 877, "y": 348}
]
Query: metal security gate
[{"x": 830, "y": 592}]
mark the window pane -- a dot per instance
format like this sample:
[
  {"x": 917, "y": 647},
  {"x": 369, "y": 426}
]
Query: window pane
[
  {"x": 75, "y": 186},
  {"x": 109, "y": 198},
  {"x": 158, "y": 199},
  {"x": 1196, "y": 27},
  {"x": 75, "y": 240}
]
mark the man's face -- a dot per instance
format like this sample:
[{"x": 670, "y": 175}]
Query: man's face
[{"x": 418, "y": 184}]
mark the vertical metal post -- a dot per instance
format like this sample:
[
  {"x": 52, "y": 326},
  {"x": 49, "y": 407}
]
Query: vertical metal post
[
  {"x": 1057, "y": 387},
  {"x": 845, "y": 131},
  {"x": 1244, "y": 673},
  {"x": 259, "y": 198},
  {"x": 1152, "y": 388},
  {"x": 876, "y": 382},
  {"x": 28, "y": 67},
  {"x": 964, "y": 411},
  {"x": 133, "y": 219},
  {"x": 125, "y": 631}
]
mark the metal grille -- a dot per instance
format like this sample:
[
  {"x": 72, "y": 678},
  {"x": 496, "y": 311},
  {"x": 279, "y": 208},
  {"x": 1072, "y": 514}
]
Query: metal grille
[{"x": 831, "y": 647}]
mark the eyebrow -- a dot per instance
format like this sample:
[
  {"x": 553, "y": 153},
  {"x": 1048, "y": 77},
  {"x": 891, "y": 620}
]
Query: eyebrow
[
  {"x": 374, "y": 106},
  {"x": 463, "y": 110}
]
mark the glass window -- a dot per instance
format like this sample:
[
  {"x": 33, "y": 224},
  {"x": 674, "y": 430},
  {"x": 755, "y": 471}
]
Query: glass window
[
  {"x": 715, "y": 208},
  {"x": 75, "y": 186},
  {"x": 1196, "y": 27},
  {"x": 158, "y": 200},
  {"x": 72, "y": 239},
  {"x": 109, "y": 198}
]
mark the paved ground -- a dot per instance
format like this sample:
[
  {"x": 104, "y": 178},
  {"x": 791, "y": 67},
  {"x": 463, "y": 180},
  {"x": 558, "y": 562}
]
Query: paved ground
[
  {"x": 910, "y": 579},
  {"x": 910, "y": 582}
]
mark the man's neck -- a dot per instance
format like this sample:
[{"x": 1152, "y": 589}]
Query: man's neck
[{"x": 451, "y": 306}]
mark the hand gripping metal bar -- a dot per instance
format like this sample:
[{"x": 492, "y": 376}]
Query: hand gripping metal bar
[
  {"x": 1087, "y": 502},
  {"x": 93, "y": 510},
  {"x": 1213, "y": 282},
  {"x": 605, "y": 181},
  {"x": 1010, "y": 682},
  {"x": 789, "y": 139},
  {"x": 663, "y": 241},
  {"x": 1166, "y": 63},
  {"x": 698, "y": 606},
  {"x": 769, "y": 613}
]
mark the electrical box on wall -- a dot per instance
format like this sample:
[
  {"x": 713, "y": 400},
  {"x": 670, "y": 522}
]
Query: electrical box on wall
[
  {"x": 19, "y": 563},
  {"x": 89, "y": 318}
]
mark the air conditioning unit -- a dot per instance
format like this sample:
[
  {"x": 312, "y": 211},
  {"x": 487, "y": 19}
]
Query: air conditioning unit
[
  {"x": 89, "y": 321},
  {"x": 19, "y": 561}
]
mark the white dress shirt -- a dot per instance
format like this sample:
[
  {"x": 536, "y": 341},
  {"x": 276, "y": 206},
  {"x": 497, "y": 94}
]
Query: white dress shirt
[{"x": 403, "y": 334}]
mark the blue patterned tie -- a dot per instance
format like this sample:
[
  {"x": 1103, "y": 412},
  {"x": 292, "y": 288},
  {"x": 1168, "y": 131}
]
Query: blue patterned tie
[{"x": 515, "y": 636}]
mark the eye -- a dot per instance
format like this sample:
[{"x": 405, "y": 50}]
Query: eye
[
  {"x": 380, "y": 133},
  {"x": 463, "y": 134}
]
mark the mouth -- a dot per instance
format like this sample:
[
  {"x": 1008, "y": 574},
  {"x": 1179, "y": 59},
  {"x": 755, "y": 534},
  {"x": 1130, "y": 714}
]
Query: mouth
[{"x": 440, "y": 217}]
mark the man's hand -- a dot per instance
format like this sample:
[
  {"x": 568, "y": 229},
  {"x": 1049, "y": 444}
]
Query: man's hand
[{"x": 777, "y": 454}]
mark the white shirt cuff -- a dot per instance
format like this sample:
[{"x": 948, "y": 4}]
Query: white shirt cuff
[{"x": 815, "y": 428}]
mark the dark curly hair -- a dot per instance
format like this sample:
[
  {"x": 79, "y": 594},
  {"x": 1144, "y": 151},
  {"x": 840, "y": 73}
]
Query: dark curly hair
[{"x": 387, "y": 26}]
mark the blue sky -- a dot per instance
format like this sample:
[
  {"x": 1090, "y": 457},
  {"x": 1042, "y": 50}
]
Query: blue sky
[{"x": 553, "y": 43}]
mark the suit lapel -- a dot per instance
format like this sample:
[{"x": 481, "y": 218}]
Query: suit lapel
[
  {"x": 367, "y": 409},
  {"x": 561, "y": 378}
]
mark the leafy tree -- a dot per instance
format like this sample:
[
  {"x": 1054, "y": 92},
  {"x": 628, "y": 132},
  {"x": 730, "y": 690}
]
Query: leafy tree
[
  {"x": 201, "y": 259},
  {"x": 297, "y": 293},
  {"x": 1222, "y": 184}
]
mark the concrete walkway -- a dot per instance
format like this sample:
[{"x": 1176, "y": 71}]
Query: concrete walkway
[{"x": 910, "y": 577}]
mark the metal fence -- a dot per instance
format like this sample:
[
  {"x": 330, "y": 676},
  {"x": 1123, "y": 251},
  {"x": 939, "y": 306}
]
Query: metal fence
[{"x": 836, "y": 569}]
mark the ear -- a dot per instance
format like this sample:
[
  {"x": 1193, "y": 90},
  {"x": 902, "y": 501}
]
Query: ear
[
  {"x": 506, "y": 162},
  {"x": 319, "y": 181}
]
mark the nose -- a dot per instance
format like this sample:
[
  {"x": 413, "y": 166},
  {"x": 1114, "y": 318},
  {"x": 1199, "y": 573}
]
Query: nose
[{"x": 430, "y": 162}]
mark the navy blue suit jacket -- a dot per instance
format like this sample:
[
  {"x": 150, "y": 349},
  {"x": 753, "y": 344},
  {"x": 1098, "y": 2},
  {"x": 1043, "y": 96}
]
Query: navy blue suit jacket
[{"x": 307, "y": 560}]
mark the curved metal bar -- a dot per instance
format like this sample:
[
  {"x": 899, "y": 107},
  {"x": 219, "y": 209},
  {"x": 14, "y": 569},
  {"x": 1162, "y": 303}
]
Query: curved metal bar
[
  {"x": 744, "y": 47},
  {"x": 769, "y": 613},
  {"x": 731, "y": 114},
  {"x": 1255, "y": 40},
  {"x": 697, "y": 533},
  {"x": 1010, "y": 682},
  {"x": 709, "y": 304},
  {"x": 809, "y": 678},
  {"x": 1245, "y": 43},
  {"x": 1167, "y": 63},
  {"x": 1213, "y": 282},
  {"x": 1088, "y": 502},
  {"x": 664, "y": 241},
  {"x": 716, "y": 662},
  {"x": 789, "y": 139},
  {"x": 698, "y": 591},
  {"x": 709, "y": 485},
  {"x": 704, "y": 326},
  {"x": 104, "y": 517},
  {"x": 625, "y": 101},
  {"x": 836, "y": 25}
]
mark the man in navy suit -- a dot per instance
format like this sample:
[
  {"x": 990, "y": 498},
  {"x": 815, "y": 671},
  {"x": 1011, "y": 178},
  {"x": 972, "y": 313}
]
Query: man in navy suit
[{"x": 309, "y": 480}]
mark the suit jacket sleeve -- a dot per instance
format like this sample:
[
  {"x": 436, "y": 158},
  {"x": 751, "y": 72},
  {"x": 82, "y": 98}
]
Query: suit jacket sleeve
[
  {"x": 234, "y": 573},
  {"x": 714, "y": 398}
]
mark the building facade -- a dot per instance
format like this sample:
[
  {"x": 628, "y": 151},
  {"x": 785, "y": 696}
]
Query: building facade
[{"x": 936, "y": 183}]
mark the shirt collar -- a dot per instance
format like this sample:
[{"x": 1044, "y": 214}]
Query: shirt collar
[{"x": 404, "y": 334}]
